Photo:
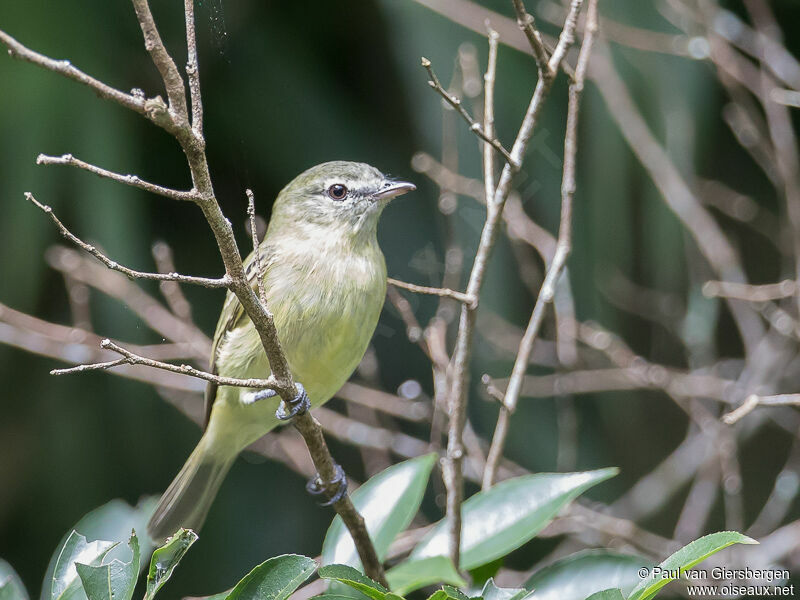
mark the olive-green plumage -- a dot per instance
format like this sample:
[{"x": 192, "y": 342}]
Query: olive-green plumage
[{"x": 325, "y": 282}]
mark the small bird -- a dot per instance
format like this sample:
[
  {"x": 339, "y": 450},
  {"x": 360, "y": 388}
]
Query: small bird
[{"x": 324, "y": 277}]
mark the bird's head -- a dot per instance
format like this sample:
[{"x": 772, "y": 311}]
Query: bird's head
[{"x": 337, "y": 198}]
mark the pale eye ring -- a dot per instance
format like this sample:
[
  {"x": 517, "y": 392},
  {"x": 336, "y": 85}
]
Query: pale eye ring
[{"x": 337, "y": 191}]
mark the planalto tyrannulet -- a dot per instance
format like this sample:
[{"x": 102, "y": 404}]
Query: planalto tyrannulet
[{"x": 325, "y": 283}]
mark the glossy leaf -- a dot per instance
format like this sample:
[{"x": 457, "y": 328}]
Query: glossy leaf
[
  {"x": 579, "y": 575},
  {"x": 690, "y": 555},
  {"x": 66, "y": 584},
  {"x": 492, "y": 592},
  {"x": 611, "y": 594},
  {"x": 166, "y": 558},
  {"x": 388, "y": 503},
  {"x": 111, "y": 521},
  {"x": 351, "y": 577},
  {"x": 114, "y": 580},
  {"x": 11, "y": 587},
  {"x": 454, "y": 593},
  {"x": 415, "y": 574},
  {"x": 501, "y": 519},
  {"x": 274, "y": 579}
]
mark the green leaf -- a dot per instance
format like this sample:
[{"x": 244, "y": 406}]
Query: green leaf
[
  {"x": 353, "y": 578},
  {"x": 111, "y": 521},
  {"x": 685, "y": 558},
  {"x": 501, "y": 519},
  {"x": 454, "y": 593},
  {"x": 66, "y": 584},
  {"x": 114, "y": 580},
  {"x": 388, "y": 503},
  {"x": 579, "y": 575},
  {"x": 166, "y": 558},
  {"x": 11, "y": 586},
  {"x": 415, "y": 574},
  {"x": 612, "y": 594},
  {"x": 492, "y": 592},
  {"x": 481, "y": 574},
  {"x": 332, "y": 597},
  {"x": 274, "y": 579}
]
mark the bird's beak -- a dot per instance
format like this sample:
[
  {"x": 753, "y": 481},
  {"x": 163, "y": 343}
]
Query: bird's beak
[{"x": 394, "y": 188}]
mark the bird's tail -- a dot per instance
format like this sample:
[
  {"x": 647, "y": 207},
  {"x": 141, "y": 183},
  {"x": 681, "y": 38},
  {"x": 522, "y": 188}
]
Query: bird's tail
[{"x": 190, "y": 495}]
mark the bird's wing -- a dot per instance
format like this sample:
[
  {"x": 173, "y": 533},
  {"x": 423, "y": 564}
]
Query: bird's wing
[{"x": 236, "y": 318}]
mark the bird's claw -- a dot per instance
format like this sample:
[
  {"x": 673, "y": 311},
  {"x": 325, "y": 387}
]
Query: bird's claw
[
  {"x": 316, "y": 487},
  {"x": 299, "y": 404}
]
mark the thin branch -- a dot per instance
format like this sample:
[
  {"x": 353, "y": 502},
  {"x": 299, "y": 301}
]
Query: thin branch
[
  {"x": 563, "y": 247},
  {"x": 474, "y": 126},
  {"x": 65, "y": 68},
  {"x": 488, "y": 113},
  {"x": 193, "y": 69},
  {"x": 135, "y": 359},
  {"x": 222, "y": 282},
  {"x": 750, "y": 293},
  {"x": 753, "y": 401},
  {"x": 251, "y": 213},
  {"x": 132, "y": 180},
  {"x": 173, "y": 82},
  {"x": 441, "y": 292},
  {"x": 84, "y": 269},
  {"x": 171, "y": 290},
  {"x": 527, "y": 24},
  {"x": 414, "y": 330}
]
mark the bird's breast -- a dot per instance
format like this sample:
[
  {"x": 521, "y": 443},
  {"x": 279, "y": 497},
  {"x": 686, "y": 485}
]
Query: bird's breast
[{"x": 326, "y": 308}]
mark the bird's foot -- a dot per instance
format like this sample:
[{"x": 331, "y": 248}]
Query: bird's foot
[
  {"x": 298, "y": 405},
  {"x": 334, "y": 490}
]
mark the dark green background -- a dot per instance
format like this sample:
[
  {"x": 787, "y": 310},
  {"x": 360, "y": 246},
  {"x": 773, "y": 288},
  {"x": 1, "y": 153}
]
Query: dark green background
[{"x": 287, "y": 85}]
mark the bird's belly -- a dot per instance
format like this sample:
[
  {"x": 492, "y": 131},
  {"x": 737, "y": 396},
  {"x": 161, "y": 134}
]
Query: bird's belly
[{"x": 324, "y": 338}]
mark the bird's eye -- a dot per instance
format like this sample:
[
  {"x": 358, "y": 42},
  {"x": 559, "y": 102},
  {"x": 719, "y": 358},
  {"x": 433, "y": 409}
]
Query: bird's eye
[{"x": 337, "y": 191}]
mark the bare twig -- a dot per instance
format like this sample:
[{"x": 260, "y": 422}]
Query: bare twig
[
  {"x": 84, "y": 269},
  {"x": 65, "y": 68},
  {"x": 750, "y": 293},
  {"x": 171, "y": 290},
  {"x": 115, "y": 266},
  {"x": 132, "y": 180},
  {"x": 459, "y": 364},
  {"x": 563, "y": 248},
  {"x": 527, "y": 24},
  {"x": 753, "y": 401},
  {"x": 173, "y": 82},
  {"x": 251, "y": 213},
  {"x": 488, "y": 114},
  {"x": 135, "y": 359},
  {"x": 474, "y": 126},
  {"x": 193, "y": 69},
  {"x": 441, "y": 292}
]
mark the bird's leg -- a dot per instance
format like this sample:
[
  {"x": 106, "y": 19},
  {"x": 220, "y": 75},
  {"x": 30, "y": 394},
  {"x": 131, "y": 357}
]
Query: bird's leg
[
  {"x": 335, "y": 489},
  {"x": 317, "y": 487},
  {"x": 298, "y": 405}
]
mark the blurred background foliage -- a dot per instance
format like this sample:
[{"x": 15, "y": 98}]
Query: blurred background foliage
[{"x": 287, "y": 85}]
